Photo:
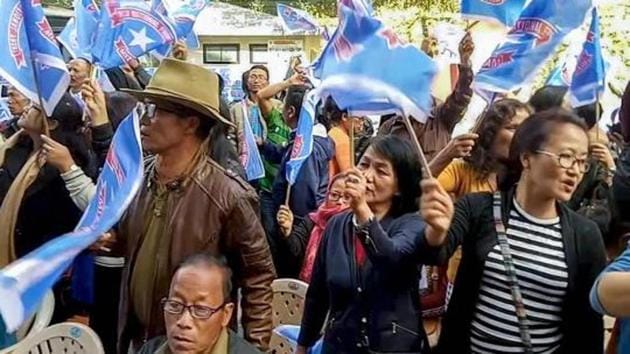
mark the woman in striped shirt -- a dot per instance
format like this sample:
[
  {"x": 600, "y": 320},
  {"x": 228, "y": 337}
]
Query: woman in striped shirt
[{"x": 528, "y": 261}]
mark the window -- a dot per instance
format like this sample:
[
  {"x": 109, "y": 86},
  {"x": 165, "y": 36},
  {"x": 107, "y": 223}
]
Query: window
[
  {"x": 258, "y": 54},
  {"x": 221, "y": 53}
]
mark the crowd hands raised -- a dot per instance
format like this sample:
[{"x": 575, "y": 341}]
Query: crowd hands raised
[{"x": 530, "y": 203}]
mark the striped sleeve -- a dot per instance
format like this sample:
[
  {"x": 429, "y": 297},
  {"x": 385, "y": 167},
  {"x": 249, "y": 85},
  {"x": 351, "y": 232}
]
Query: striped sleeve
[{"x": 621, "y": 264}]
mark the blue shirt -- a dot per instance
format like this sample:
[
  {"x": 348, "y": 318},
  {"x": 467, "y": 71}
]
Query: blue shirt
[{"x": 621, "y": 264}]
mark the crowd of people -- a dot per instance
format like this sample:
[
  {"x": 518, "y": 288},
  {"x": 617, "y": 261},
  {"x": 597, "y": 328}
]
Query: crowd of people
[{"x": 511, "y": 247}]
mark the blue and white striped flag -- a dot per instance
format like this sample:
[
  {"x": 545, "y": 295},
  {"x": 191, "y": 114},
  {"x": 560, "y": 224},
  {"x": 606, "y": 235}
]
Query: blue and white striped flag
[{"x": 24, "y": 282}]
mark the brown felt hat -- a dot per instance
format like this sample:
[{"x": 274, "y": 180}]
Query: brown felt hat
[{"x": 185, "y": 84}]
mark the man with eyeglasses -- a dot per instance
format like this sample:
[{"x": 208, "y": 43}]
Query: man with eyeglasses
[
  {"x": 198, "y": 310},
  {"x": 254, "y": 80},
  {"x": 188, "y": 204}
]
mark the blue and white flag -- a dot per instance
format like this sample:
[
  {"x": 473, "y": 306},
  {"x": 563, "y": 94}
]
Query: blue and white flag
[
  {"x": 127, "y": 31},
  {"x": 183, "y": 20},
  {"x": 534, "y": 37},
  {"x": 5, "y": 114},
  {"x": 303, "y": 141},
  {"x": 250, "y": 156},
  {"x": 24, "y": 282},
  {"x": 560, "y": 76},
  {"x": 505, "y": 12},
  {"x": 295, "y": 20},
  {"x": 360, "y": 7},
  {"x": 356, "y": 69},
  {"x": 30, "y": 51},
  {"x": 80, "y": 31},
  {"x": 590, "y": 71}
]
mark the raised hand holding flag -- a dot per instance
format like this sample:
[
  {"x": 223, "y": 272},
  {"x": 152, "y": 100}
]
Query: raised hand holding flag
[
  {"x": 24, "y": 282},
  {"x": 355, "y": 69}
]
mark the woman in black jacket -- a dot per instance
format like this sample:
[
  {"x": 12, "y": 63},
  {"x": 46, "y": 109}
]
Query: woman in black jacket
[
  {"x": 523, "y": 284},
  {"x": 365, "y": 275}
]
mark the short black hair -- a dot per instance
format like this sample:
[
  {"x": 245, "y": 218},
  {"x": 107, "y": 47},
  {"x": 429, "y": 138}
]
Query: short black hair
[
  {"x": 406, "y": 164},
  {"x": 548, "y": 97},
  {"x": 295, "y": 97},
  {"x": 532, "y": 135},
  {"x": 589, "y": 113},
  {"x": 259, "y": 67},
  {"x": 209, "y": 261}
]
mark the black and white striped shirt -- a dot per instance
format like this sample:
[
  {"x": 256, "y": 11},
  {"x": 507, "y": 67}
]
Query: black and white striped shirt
[{"x": 539, "y": 258}]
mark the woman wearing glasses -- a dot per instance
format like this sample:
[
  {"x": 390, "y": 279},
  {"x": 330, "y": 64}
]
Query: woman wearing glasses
[
  {"x": 528, "y": 261},
  {"x": 301, "y": 236}
]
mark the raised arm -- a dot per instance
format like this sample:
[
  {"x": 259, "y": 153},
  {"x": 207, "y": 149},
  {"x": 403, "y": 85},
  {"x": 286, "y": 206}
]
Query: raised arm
[
  {"x": 265, "y": 95},
  {"x": 453, "y": 109}
]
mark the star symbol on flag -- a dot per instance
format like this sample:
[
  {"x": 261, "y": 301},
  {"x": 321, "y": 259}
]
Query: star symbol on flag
[{"x": 140, "y": 39}]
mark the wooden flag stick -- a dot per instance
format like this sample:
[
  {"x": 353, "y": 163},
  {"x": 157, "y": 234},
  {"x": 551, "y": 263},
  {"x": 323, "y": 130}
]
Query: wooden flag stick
[
  {"x": 597, "y": 114},
  {"x": 423, "y": 159},
  {"x": 288, "y": 197},
  {"x": 351, "y": 141},
  {"x": 469, "y": 25}
]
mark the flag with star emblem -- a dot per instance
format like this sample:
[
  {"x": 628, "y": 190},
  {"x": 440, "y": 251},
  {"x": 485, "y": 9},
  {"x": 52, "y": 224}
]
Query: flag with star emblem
[
  {"x": 127, "y": 31},
  {"x": 590, "y": 71},
  {"x": 537, "y": 33},
  {"x": 80, "y": 31},
  {"x": 31, "y": 60},
  {"x": 356, "y": 69},
  {"x": 183, "y": 20}
]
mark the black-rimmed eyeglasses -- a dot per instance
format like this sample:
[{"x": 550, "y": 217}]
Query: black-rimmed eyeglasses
[{"x": 200, "y": 312}]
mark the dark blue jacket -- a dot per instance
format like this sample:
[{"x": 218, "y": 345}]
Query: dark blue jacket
[
  {"x": 380, "y": 301},
  {"x": 311, "y": 186}
]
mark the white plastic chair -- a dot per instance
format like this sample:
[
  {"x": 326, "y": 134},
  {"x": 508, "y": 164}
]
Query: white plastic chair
[
  {"x": 36, "y": 323},
  {"x": 62, "y": 338},
  {"x": 288, "y": 301}
]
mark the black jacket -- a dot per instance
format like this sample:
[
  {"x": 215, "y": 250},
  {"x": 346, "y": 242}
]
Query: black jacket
[
  {"x": 46, "y": 210},
  {"x": 380, "y": 300},
  {"x": 293, "y": 248},
  {"x": 473, "y": 228}
]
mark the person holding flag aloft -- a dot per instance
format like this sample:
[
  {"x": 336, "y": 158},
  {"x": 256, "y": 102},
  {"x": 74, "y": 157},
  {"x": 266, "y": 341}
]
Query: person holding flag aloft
[
  {"x": 304, "y": 188},
  {"x": 436, "y": 132},
  {"x": 528, "y": 261}
]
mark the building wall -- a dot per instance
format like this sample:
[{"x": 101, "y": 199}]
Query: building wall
[{"x": 231, "y": 73}]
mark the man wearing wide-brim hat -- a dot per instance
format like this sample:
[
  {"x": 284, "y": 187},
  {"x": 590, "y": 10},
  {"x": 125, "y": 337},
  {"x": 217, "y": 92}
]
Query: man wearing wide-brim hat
[{"x": 189, "y": 204}]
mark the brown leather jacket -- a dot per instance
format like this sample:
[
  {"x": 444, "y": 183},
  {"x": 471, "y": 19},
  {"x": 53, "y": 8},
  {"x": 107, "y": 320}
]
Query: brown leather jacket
[
  {"x": 215, "y": 212},
  {"x": 435, "y": 134}
]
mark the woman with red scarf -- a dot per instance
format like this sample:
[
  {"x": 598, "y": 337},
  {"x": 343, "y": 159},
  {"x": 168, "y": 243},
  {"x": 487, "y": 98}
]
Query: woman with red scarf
[{"x": 303, "y": 235}]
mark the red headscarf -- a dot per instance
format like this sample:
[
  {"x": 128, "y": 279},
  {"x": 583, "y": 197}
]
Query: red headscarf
[{"x": 320, "y": 218}]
